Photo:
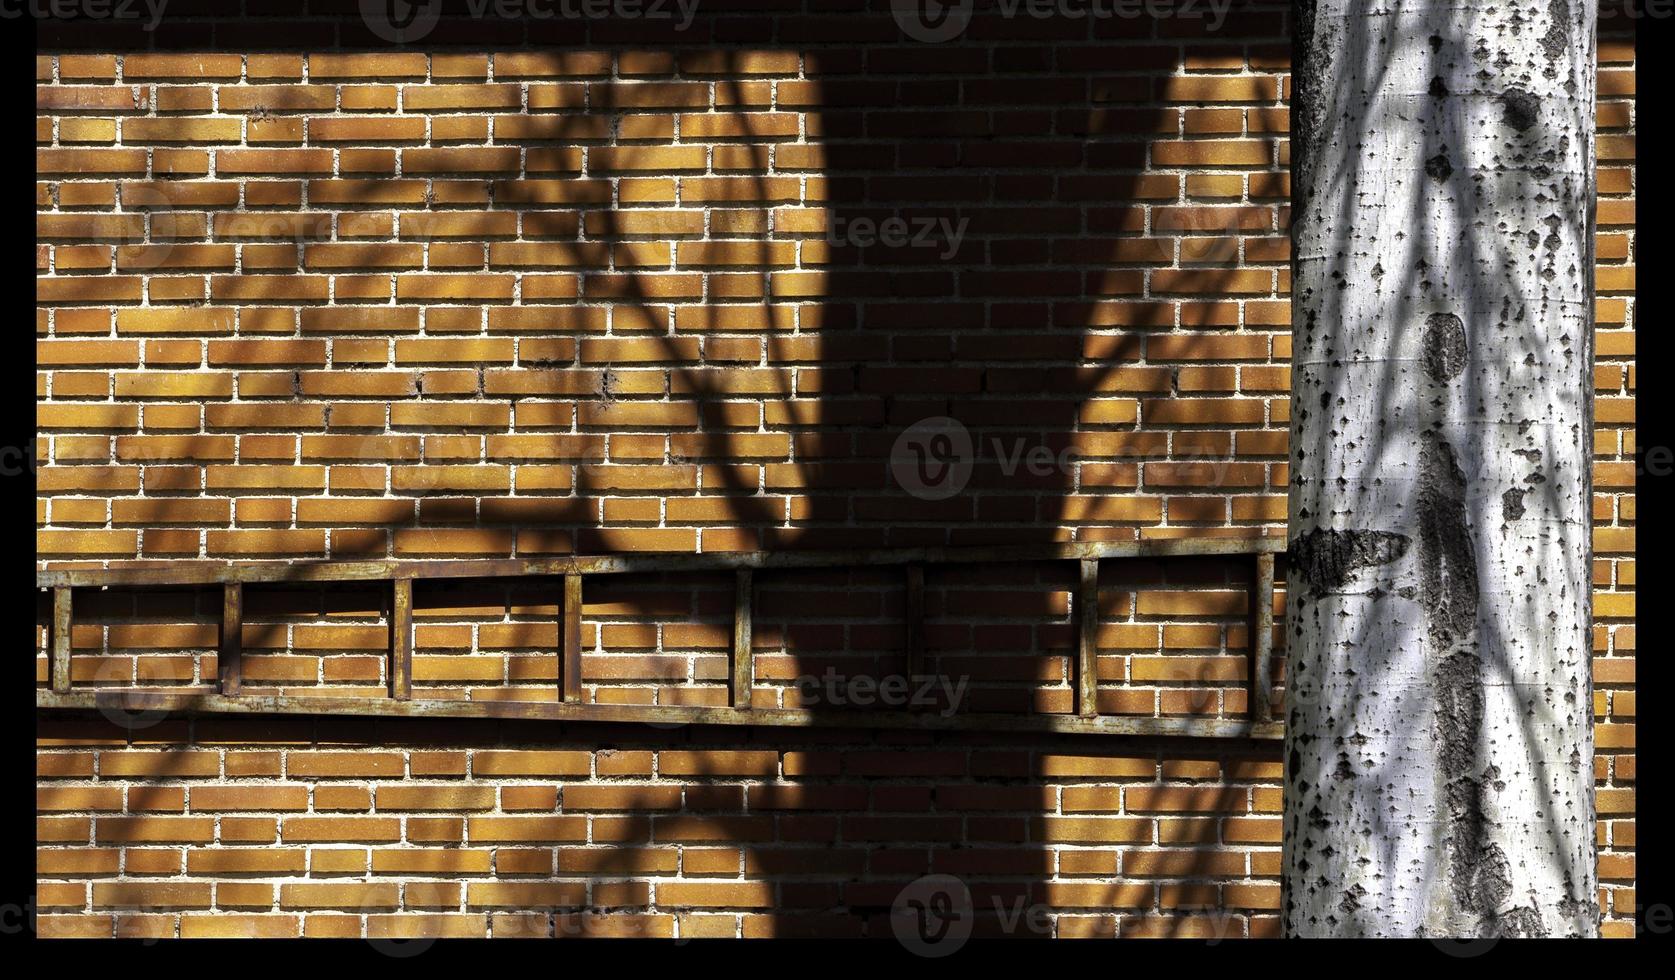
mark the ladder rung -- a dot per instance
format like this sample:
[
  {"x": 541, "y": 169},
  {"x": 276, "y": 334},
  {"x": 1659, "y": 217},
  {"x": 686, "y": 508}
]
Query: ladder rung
[
  {"x": 570, "y": 663},
  {"x": 744, "y": 661},
  {"x": 229, "y": 655},
  {"x": 1262, "y": 638},
  {"x": 61, "y": 639},
  {"x": 401, "y": 639},
  {"x": 1087, "y": 647}
]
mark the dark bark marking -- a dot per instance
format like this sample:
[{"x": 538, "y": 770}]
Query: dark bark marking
[
  {"x": 1459, "y": 715},
  {"x": 1327, "y": 557},
  {"x": 1556, "y": 42},
  {"x": 1447, "y": 566},
  {"x": 1579, "y": 908},
  {"x": 1519, "y": 108},
  {"x": 1523, "y": 922},
  {"x": 1479, "y": 874},
  {"x": 1445, "y": 347},
  {"x": 1512, "y": 504},
  {"x": 1438, "y": 168},
  {"x": 1309, "y": 98}
]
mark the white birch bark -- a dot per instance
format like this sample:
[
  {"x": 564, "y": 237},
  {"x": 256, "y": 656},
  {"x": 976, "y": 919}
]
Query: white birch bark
[{"x": 1439, "y": 740}]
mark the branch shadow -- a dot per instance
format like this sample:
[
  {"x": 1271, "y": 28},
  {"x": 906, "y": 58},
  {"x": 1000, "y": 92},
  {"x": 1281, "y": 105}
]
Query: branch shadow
[{"x": 1049, "y": 163}]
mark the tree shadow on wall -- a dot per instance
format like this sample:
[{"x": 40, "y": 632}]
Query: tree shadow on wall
[{"x": 1063, "y": 272}]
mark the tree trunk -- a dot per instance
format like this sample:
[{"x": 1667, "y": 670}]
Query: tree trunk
[{"x": 1439, "y": 746}]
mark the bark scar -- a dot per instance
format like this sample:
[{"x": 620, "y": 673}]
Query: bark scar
[
  {"x": 1479, "y": 874},
  {"x": 1447, "y": 565},
  {"x": 1445, "y": 347},
  {"x": 1327, "y": 557}
]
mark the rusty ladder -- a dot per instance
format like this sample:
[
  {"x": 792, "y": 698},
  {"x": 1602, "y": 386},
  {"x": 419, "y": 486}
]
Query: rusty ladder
[{"x": 400, "y": 575}]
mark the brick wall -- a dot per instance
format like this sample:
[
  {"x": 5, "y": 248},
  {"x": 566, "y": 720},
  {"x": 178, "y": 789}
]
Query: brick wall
[{"x": 619, "y": 288}]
